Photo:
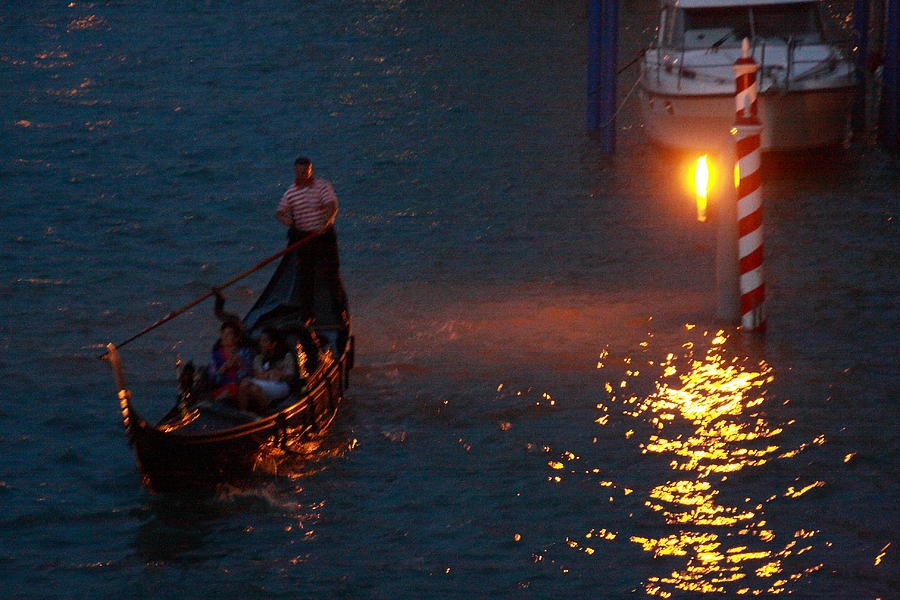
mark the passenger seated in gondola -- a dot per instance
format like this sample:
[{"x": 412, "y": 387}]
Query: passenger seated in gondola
[
  {"x": 224, "y": 316},
  {"x": 274, "y": 372},
  {"x": 230, "y": 363}
]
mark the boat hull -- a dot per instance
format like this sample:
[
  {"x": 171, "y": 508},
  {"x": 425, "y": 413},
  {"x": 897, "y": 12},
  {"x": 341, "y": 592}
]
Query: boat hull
[
  {"x": 171, "y": 461},
  {"x": 201, "y": 442},
  {"x": 791, "y": 121}
]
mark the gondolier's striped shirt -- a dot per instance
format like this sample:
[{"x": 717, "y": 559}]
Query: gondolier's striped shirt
[{"x": 307, "y": 205}]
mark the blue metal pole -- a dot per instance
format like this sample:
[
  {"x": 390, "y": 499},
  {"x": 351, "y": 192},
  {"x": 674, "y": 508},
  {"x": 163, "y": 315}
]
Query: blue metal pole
[
  {"x": 861, "y": 27},
  {"x": 890, "y": 95},
  {"x": 609, "y": 62},
  {"x": 603, "y": 38},
  {"x": 593, "y": 62}
]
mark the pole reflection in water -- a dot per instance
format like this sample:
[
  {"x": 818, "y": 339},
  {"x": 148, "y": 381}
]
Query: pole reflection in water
[{"x": 706, "y": 415}]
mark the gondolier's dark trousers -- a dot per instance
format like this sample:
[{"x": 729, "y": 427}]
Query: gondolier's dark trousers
[{"x": 318, "y": 264}]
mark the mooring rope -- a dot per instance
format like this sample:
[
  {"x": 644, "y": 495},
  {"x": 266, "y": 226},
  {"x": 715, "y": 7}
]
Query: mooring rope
[{"x": 622, "y": 105}]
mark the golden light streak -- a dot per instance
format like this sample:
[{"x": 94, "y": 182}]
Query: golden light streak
[
  {"x": 602, "y": 534},
  {"x": 701, "y": 186},
  {"x": 792, "y": 493},
  {"x": 802, "y": 533},
  {"x": 881, "y": 556}
]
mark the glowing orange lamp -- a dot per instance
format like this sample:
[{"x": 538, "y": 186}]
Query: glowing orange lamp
[{"x": 701, "y": 186}]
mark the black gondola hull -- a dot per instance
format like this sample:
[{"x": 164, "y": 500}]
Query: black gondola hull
[
  {"x": 172, "y": 457},
  {"x": 172, "y": 461}
]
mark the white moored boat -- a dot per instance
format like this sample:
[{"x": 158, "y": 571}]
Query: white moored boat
[{"x": 687, "y": 84}]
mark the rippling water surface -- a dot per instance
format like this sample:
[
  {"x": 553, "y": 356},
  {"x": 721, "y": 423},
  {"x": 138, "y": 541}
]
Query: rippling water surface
[{"x": 543, "y": 403}]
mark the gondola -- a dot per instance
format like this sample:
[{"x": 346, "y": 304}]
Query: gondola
[{"x": 202, "y": 443}]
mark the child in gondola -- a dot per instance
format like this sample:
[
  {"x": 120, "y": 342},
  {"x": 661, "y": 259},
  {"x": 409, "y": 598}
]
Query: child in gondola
[
  {"x": 230, "y": 363},
  {"x": 274, "y": 372}
]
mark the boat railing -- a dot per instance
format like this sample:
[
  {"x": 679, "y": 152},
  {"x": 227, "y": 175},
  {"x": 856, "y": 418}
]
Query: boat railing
[{"x": 778, "y": 75}]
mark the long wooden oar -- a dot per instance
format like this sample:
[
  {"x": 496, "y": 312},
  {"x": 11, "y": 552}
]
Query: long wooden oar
[{"x": 212, "y": 292}]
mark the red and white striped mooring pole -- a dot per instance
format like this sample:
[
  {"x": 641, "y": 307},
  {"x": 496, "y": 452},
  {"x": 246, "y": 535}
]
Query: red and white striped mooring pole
[{"x": 746, "y": 132}]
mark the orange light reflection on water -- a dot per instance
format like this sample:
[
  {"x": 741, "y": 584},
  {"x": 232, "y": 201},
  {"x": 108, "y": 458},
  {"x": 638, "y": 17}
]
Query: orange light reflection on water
[{"x": 704, "y": 414}]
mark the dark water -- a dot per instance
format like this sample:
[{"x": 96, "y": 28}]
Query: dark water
[{"x": 543, "y": 404}]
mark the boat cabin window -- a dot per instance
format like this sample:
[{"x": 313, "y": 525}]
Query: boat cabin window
[
  {"x": 798, "y": 22},
  {"x": 716, "y": 26},
  {"x": 710, "y": 27}
]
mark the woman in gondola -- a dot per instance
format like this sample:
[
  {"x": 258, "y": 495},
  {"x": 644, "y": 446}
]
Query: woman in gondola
[
  {"x": 230, "y": 363},
  {"x": 274, "y": 371}
]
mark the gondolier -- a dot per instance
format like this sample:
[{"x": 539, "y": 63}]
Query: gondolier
[{"x": 308, "y": 206}]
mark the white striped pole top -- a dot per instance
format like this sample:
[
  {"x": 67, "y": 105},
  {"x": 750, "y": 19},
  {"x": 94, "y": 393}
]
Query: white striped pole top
[{"x": 745, "y": 69}]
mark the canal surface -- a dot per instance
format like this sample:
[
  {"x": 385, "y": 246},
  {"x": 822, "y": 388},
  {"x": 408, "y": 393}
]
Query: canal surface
[{"x": 543, "y": 403}]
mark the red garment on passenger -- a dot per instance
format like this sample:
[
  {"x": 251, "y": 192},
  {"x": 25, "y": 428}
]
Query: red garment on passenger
[{"x": 229, "y": 390}]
